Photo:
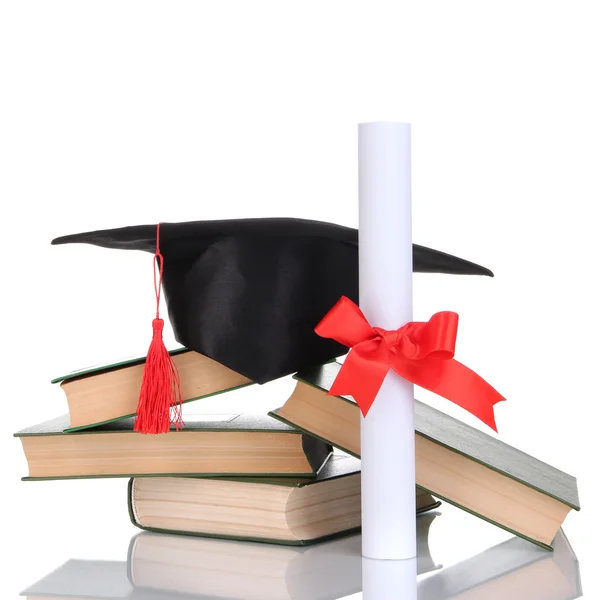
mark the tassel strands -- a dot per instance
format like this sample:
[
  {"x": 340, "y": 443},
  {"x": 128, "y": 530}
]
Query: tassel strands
[{"x": 160, "y": 393}]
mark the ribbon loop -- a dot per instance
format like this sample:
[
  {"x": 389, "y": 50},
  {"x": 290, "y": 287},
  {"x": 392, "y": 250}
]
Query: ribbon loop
[
  {"x": 422, "y": 353},
  {"x": 356, "y": 328}
]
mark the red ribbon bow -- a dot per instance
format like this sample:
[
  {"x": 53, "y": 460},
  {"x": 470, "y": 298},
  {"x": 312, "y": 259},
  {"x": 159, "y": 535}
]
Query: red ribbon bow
[{"x": 422, "y": 353}]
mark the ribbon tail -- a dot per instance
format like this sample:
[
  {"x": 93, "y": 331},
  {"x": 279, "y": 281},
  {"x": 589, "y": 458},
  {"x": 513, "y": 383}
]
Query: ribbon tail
[
  {"x": 360, "y": 377},
  {"x": 455, "y": 382}
]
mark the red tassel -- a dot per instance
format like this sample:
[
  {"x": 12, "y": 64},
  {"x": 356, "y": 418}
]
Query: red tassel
[{"x": 161, "y": 389}]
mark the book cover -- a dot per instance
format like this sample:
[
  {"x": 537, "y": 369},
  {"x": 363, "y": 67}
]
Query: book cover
[{"x": 120, "y": 363}]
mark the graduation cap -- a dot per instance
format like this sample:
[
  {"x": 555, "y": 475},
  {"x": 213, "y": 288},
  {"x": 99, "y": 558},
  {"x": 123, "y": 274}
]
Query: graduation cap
[{"x": 248, "y": 293}]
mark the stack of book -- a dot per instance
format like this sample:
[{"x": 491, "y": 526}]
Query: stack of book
[
  {"x": 240, "y": 476},
  {"x": 276, "y": 477}
]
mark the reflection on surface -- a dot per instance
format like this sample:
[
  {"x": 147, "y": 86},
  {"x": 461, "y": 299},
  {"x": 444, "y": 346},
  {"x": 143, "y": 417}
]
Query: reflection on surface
[
  {"x": 514, "y": 569},
  {"x": 173, "y": 567},
  {"x": 84, "y": 579},
  {"x": 222, "y": 569},
  {"x": 389, "y": 579}
]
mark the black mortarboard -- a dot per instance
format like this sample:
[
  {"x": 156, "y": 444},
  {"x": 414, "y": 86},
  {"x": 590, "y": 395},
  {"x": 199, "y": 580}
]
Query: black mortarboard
[{"x": 248, "y": 293}]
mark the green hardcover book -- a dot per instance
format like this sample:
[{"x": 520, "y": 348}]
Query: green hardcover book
[
  {"x": 454, "y": 462},
  {"x": 207, "y": 445},
  {"x": 166, "y": 566},
  {"x": 109, "y": 392},
  {"x": 280, "y": 510}
]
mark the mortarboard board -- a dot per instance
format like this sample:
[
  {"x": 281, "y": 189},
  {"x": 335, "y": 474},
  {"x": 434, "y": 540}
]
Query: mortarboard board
[{"x": 248, "y": 293}]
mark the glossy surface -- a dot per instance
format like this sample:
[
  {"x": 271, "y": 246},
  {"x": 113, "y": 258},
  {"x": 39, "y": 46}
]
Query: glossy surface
[{"x": 455, "y": 560}]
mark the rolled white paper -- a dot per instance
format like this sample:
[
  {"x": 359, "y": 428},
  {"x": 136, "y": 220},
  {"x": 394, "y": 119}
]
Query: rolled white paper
[
  {"x": 385, "y": 294},
  {"x": 389, "y": 579}
]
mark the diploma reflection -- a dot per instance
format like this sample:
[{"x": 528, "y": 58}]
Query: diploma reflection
[{"x": 389, "y": 579}]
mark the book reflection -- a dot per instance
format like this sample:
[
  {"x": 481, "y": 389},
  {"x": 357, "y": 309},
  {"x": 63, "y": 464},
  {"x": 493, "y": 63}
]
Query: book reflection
[
  {"x": 221, "y": 569},
  {"x": 171, "y": 567},
  {"x": 514, "y": 569}
]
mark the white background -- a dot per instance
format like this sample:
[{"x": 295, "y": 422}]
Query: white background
[{"x": 118, "y": 113}]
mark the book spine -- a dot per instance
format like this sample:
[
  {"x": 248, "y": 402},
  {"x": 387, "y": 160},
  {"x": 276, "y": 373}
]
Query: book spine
[{"x": 131, "y": 505}]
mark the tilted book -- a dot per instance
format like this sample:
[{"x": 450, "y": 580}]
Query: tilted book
[
  {"x": 277, "y": 510},
  {"x": 105, "y": 393},
  {"x": 454, "y": 462},
  {"x": 207, "y": 445}
]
